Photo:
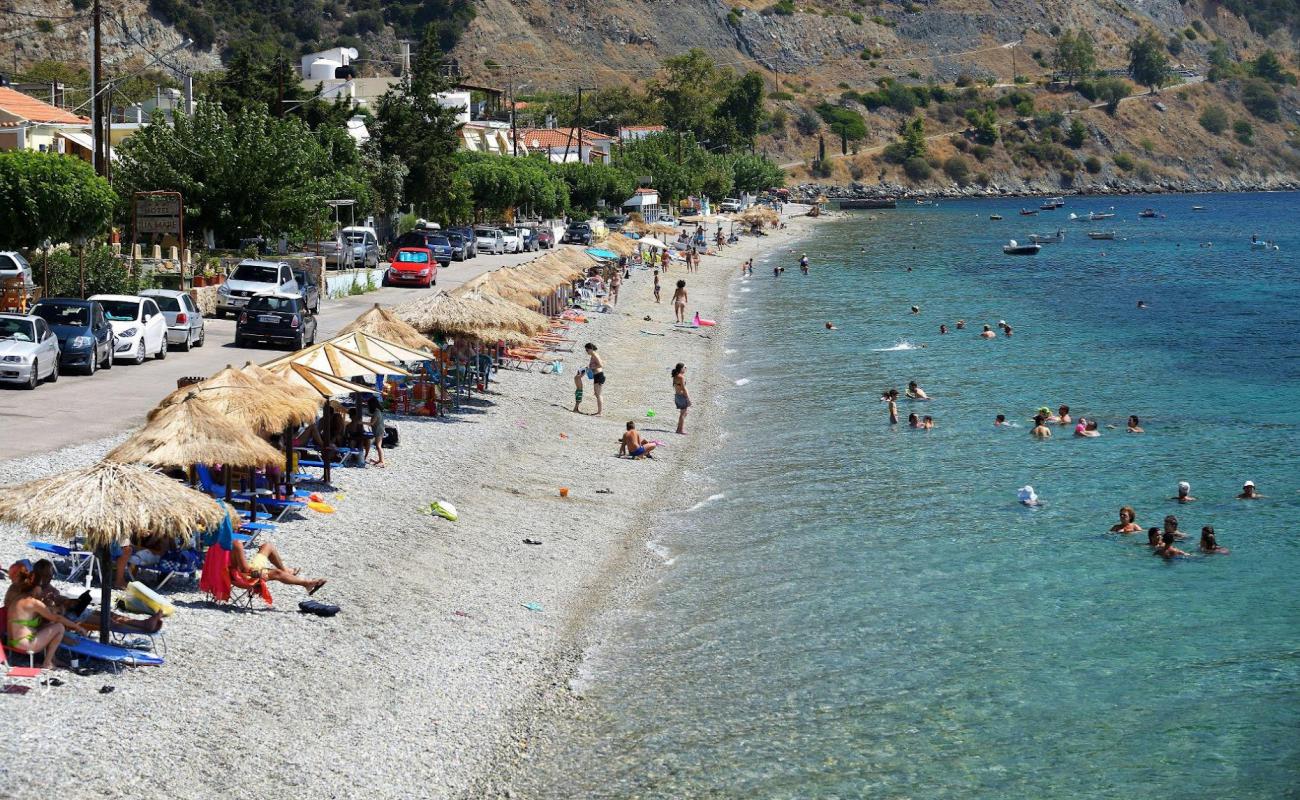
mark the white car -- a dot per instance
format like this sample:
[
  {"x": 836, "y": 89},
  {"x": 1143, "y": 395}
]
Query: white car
[
  {"x": 138, "y": 324},
  {"x": 729, "y": 205},
  {"x": 252, "y": 277},
  {"x": 667, "y": 219},
  {"x": 490, "y": 240},
  {"x": 29, "y": 351},
  {"x": 513, "y": 241},
  {"x": 13, "y": 265}
]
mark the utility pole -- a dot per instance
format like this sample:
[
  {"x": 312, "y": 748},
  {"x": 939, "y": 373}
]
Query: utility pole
[
  {"x": 96, "y": 107},
  {"x": 579, "y": 124},
  {"x": 514, "y": 131}
]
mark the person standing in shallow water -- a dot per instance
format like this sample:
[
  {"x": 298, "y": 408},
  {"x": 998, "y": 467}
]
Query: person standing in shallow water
[{"x": 681, "y": 397}]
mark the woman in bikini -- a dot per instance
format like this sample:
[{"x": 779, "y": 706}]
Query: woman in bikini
[
  {"x": 596, "y": 371},
  {"x": 681, "y": 397},
  {"x": 679, "y": 301},
  {"x": 34, "y": 627}
]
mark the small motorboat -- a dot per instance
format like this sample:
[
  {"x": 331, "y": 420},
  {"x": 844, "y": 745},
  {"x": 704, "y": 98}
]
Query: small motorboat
[
  {"x": 1198, "y": 208},
  {"x": 925, "y": 202},
  {"x": 1147, "y": 213},
  {"x": 1096, "y": 215},
  {"x": 1028, "y": 212},
  {"x": 1048, "y": 238},
  {"x": 1052, "y": 203},
  {"x": 995, "y": 217},
  {"x": 1013, "y": 248},
  {"x": 1259, "y": 244},
  {"x": 1105, "y": 235}
]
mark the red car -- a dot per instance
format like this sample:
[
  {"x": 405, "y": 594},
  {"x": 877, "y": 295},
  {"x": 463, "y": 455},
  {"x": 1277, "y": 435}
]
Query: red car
[{"x": 412, "y": 266}]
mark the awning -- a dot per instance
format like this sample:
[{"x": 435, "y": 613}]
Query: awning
[
  {"x": 641, "y": 200},
  {"x": 81, "y": 139}
]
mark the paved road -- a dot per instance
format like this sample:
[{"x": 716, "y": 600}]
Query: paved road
[{"x": 81, "y": 409}]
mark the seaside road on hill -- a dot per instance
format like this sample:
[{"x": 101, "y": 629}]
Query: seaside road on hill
[{"x": 81, "y": 409}]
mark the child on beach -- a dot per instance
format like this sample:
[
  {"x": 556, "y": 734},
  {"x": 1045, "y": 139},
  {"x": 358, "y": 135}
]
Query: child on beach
[
  {"x": 679, "y": 301},
  {"x": 656, "y": 286},
  {"x": 577, "y": 391}
]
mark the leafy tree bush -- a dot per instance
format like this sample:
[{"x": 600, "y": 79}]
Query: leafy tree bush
[
  {"x": 1074, "y": 56},
  {"x": 807, "y": 123},
  {"x": 50, "y": 196},
  {"x": 1214, "y": 119},
  {"x": 1111, "y": 91},
  {"x": 917, "y": 169},
  {"x": 1244, "y": 132},
  {"x": 1092, "y": 164},
  {"x": 844, "y": 122},
  {"x": 1147, "y": 63},
  {"x": 1174, "y": 45},
  {"x": 1077, "y": 134},
  {"x": 958, "y": 169},
  {"x": 982, "y": 152},
  {"x": 105, "y": 274},
  {"x": 1124, "y": 161},
  {"x": 1260, "y": 100},
  {"x": 985, "y": 123}
]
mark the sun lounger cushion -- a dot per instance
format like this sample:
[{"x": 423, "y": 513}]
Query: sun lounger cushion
[{"x": 89, "y": 648}]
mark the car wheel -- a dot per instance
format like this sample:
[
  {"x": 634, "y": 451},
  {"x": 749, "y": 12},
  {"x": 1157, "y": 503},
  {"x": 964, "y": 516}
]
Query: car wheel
[
  {"x": 139, "y": 353},
  {"x": 54, "y": 374},
  {"x": 33, "y": 380},
  {"x": 93, "y": 366},
  {"x": 162, "y": 349},
  {"x": 300, "y": 342},
  {"x": 188, "y": 343},
  {"x": 203, "y": 334}
]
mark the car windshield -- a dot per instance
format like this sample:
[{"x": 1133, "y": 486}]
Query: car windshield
[
  {"x": 76, "y": 316},
  {"x": 18, "y": 329},
  {"x": 455, "y": 238},
  {"x": 413, "y": 257},
  {"x": 578, "y": 226},
  {"x": 489, "y": 232},
  {"x": 288, "y": 304},
  {"x": 440, "y": 241},
  {"x": 356, "y": 238},
  {"x": 256, "y": 273},
  {"x": 166, "y": 303},
  {"x": 121, "y": 310}
]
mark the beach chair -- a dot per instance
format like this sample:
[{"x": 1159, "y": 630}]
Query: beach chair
[
  {"x": 12, "y": 673},
  {"x": 70, "y": 563},
  {"x": 248, "y": 589},
  {"x": 185, "y": 562},
  {"x": 113, "y": 655}
]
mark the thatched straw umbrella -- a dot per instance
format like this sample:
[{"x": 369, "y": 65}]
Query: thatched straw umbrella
[
  {"x": 380, "y": 349},
  {"x": 266, "y": 377},
  {"x": 192, "y": 432},
  {"x": 108, "y": 503},
  {"x": 387, "y": 325},
  {"x": 264, "y": 409},
  {"x": 508, "y": 338},
  {"x": 339, "y": 362},
  {"x": 323, "y": 384},
  {"x": 464, "y": 313},
  {"x": 620, "y": 244}
]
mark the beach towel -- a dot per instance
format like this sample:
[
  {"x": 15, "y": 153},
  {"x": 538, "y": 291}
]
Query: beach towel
[{"x": 216, "y": 564}]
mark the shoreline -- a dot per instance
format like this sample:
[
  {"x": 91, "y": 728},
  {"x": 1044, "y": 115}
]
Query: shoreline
[
  {"x": 806, "y": 192},
  {"x": 422, "y": 682}
]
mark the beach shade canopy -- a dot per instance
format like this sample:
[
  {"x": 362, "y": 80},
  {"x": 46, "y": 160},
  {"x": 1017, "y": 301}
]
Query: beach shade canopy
[
  {"x": 322, "y": 383},
  {"x": 660, "y": 228},
  {"x": 652, "y": 244},
  {"x": 380, "y": 349},
  {"x": 241, "y": 397},
  {"x": 759, "y": 215},
  {"x": 339, "y": 362},
  {"x": 191, "y": 432},
  {"x": 508, "y": 338},
  {"x": 266, "y": 377},
  {"x": 620, "y": 244},
  {"x": 465, "y": 313},
  {"x": 386, "y": 325}
]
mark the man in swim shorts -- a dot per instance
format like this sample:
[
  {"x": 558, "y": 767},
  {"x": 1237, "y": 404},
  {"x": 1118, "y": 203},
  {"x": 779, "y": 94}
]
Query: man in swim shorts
[{"x": 632, "y": 445}]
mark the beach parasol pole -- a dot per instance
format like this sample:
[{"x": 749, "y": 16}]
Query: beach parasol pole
[{"x": 106, "y": 580}]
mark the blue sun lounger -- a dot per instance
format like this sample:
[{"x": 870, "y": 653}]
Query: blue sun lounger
[{"x": 117, "y": 656}]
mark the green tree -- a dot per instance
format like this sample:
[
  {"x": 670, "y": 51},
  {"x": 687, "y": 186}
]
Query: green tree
[
  {"x": 755, "y": 173},
  {"x": 917, "y": 169},
  {"x": 259, "y": 74},
  {"x": 1147, "y": 62},
  {"x": 958, "y": 169},
  {"x": 686, "y": 91},
  {"x": 412, "y": 126},
  {"x": 985, "y": 123},
  {"x": 50, "y": 196},
  {"x": 1260, "y": 100},
  {"x": 1074, "y": 56},
  {"x": 386, "y": 175},
  {"x": 1244, "y": 131},
  {"x": 912, "y": 132},
  {"x": 740, "y": 113},
  {"x": 587, "y": 184},
  {"x": 1077, "y": 134},
  {"x": 1111, "y": 91},
  {"x": 1222, "y": 65},
  {"x": 1214, "y": 119},
  {"x": 1269, "y": 67},
  {"x": 243, "y": 174}
]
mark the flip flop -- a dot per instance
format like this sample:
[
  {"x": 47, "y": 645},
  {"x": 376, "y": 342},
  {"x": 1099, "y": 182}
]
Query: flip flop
[
  {"x": 315, "y": 588},
  {"x": 532, "y": 541}
]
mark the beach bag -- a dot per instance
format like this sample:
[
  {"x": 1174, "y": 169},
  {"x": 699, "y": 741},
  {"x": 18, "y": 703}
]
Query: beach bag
[{"x": 390, "y": 436}]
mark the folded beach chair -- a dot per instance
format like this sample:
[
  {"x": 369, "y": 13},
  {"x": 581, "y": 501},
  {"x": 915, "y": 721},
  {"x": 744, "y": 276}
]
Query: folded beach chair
[{"x": 11, "y": 674}]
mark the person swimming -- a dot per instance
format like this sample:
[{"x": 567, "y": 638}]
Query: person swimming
[
  {"x": 943, "y": 329},
  {"x": 1209, "y": 545},
  {"x": 1153, "y": 537},
  {"x": 916, "y": 309},
  {"x": 1000, "y": 421},
  {"x": 927, "y": 422},
  {"x": 1063, "y": 415},
  {"x": 1134, "y": 424},
  {"x": 1166, "y": 548},
  {"x": 830, "y": 326},
  {"x": 1142, "y": 304},
  {"x": 1127, "y": 522},
  {"x": 1184, "y": 493},
  {"x": 1026, "y": 496},
  {"x": 1171, "y": 527},
  {"x": 1086, "y": 429},
  {"x": 988, "y": 333},
  {"x": 961, "y": 324},
  {"x": 1248, "y": 492},
  {"x": 915, "y": 392},
  {"x": 913, "y": 421},
  {"x": 1040, "y": 430}
]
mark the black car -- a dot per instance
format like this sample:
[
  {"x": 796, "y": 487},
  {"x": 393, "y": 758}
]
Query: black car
[
  {"x": 471, "y": 241},
  {"x": 577, "y": 233},
  {"x": 458, "y": 246},
  {"x": 308, "y": 288},
  {"x": 616, "y": 222},
  {"x": 441, "y": 247},
  {"x": 85, "y": 338},
  {"x": 276, "y": 318}
]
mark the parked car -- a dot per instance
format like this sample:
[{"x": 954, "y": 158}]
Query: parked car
[
  {"x": 513, "y": 241},
  {"x": 184, "y": 322},
  {"x": 729, "y": 205},
  {"x": 86, "y": 339},
  {"x": 490, "y": 239},
  {"x": 13, "y": 265},
  {"x": 276, "y": 318},
  {"x": 138, "y": 325},
  {"x": 29, "y": 350},
  {"x": 307, "y": 288},
  {"x": 459, "y": 246},
  {"x": 337, "y": 253},
  {"x": 440, "y": 246},
  {"x": 545, "y": 239},
  {"x": 667, "y": 219},
  {"x": 412, "y": 266},
  {"x": 253, "y": 277},
  {"x": 365, "y": 246},
  {"x": 471, "y": 241},
  {"x": 577, "y": 233},
  {"x": 616, "y": 221},
  {"x": 527, "y": 238}
]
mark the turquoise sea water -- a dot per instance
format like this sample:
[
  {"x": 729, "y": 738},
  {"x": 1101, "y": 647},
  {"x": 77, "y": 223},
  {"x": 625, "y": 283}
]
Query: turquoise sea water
[{"x": 867, "y": 611}]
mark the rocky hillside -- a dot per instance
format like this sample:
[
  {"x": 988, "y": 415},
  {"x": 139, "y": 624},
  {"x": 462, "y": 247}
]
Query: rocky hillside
[{"x": 810, "y": 52}]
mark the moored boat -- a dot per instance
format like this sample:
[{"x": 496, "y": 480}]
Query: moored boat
[
  {"x": 1052, "y": 203},
  {"x": 1028, "y": 212},
  {"x": 995, "y": 217},
  {"x": 1147, "y": 213},
  {"x": 1096, "y": 215},
  {"x": 1014, "y": 248},
  {"x": 1101, "y": 235},
  {"x": 1048, "y": 238}
]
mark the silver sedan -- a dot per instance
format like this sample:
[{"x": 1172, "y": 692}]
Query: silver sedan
[{"x": 185, "y": 328}]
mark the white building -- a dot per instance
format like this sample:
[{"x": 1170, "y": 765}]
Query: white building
[{"x": 322, "y": 65}]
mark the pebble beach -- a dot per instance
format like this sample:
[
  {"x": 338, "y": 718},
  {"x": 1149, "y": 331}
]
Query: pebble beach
[{"x": 432, "y": 673}]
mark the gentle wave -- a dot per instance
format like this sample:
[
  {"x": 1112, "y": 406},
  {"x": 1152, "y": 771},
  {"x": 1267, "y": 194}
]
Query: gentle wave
[
  {"x": 665, "y": 555},
  {"x": 902, "y": 344},
  {"x": 742, "y": 381},
  {"x": 713, "y": 498}
]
